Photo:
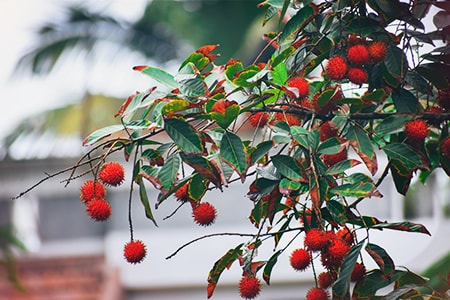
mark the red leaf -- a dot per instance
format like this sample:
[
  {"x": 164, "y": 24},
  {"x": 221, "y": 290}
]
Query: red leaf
[
  {"x": 205, "y": 50},
  {"x": 139, "y": 68},
  {"x": 272, "y": 199}
]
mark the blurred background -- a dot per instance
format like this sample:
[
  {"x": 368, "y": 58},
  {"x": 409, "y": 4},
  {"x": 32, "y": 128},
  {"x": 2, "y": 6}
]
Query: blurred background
[{"x": 66, "y": 67}]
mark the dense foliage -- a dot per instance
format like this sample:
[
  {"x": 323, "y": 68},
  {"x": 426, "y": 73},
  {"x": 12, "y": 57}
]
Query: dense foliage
[{"x": 346, "y": 84}]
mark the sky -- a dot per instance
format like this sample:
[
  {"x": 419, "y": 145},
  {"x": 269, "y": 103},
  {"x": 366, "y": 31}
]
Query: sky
[{"x": 21, "y": 94}]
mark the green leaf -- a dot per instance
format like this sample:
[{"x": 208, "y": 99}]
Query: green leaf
[
  {"x": 197, "y": 187},
  {"x": 300, "y": 134},
  {"x": 363, "y": 143},
  {"x": 404, "y": 154},
  {"x": 325, "y": 97},
  {"x": 144, "y": 200},
  {"x": 184, "y": 135},
  {"x": 434, "y": 72},
  {"x": 275, "y": 61},
  {"x": 169, "y": 171},
  {"x": 401, "y": 176},
  {"x": 233, "y": 152},
  {"x": 342, "y": 285},
  {"x": 204, "y": 167},
  {"x": 199, "y": 60},
  {"x": 224, "y": 120},
  {"x": 112, "y": 129},
  {"x": 392, "y": 124},
  {"x": 261, "y": 149},
  {"x": 372, "y": 282},
  {"x": 330, "y": 146},
  {"x": 269, "y": 266},
  {"x": 404, "y": 226},
  {"x": 396, "y": 62},
  {"x": 381, "y": 258},
  {"x": 231, "y": 70},
  {"x": 159, "y": 75},
  {"x": 174, "y": 106},
  {"x": 314, "y": 139},
  {"x": 193, "y": 87},
  {"x": 297, "y": 23},
  {"x": 287, "y": 186},
  {"x": 219, "y": 266},
  {"x": 354, "y": 190},
  {"x": 342, "y": 166},
  {"x": 279, "y": 73},
  {"x": 337, "y": 211},
  {"x": 405, "y": 101},
  {"x": 287, "y": 166}
]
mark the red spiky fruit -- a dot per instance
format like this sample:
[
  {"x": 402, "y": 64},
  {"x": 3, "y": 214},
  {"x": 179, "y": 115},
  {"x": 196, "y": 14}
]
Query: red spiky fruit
[
  {"x": 358, "y": 272},
  {"x": 112, "y": 173},
  {"x": 291, "y": 119},
  {"x": 315, "y": 239},
  {"x": 204, "y": 214},
  {"x": 300, "y": 259},
  {"x": 336, "y": 68},
  {"x": 357, "y": 75},
  {"x": 301, "y": 84},
  {"x": 182, "y": 193},
  {"x": 416, "y": 130},
  {"x": 325, "y": 280},
  {"x": 98, "y": 209},
  {"x": 338, "y": 249},
  {"x": 445, "y": 147},
  {"x": 346, "y": 235},
  {"x": 259, "y": 119},
  {"x": 316, "y": 293},
  {"x": 249, "y": 287},
  {"x": 377, "y": 51},
  {"x": 92, "y": 189},
  {"x": 358, "y": 54},
  {"x": 134, "y": 251}
]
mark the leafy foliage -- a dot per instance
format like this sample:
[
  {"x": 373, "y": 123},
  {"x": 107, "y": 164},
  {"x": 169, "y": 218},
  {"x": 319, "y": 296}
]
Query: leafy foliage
[{"x": 302, "y": 150}]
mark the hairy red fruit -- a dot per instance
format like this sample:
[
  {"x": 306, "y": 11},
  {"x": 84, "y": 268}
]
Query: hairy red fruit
[
  {"x": 134, "y": 251},
  {"x": 112, "y": 173},
  {"x": 98, "y": 209},
  {"x": 338, "y": 249},
  {"x": 377, "y": 51},
  {"x": 336, "y": 68},
  {"x": 445, "y": 147},
  {"x": 87, "y": 190},
  {"x": 259, "y": 119},
  {"x": 249, "y": 287},
  {"x": 182, "y": 193},
  {"x": 291, "y": 119},
  {"x": 416, "y": 130},
  {"x": 204, "y": 214},
  {"x": 327, "y": 130},
  {"x": 315, "y": 239},
  {"x": 325, "y": 280},
  {"x": 316, "y": 293},
  {"x": 300, "y": 259},
  {"x": 358, "y": 272},
  {"x": 332, "y": 159},
  {"x": 358, "y": 54},
  {"x": 357, "y": 75},
  {"x": 346, "y": 235},
  {"x": 301, "y": 84},
  {"x": 354, "y": 39}
]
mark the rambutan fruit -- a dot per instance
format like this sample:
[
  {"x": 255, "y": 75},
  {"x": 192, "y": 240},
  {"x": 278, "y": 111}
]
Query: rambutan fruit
[
  {"x": 98, "y": 209},
  {"x": 336, "y": 68},
  {"x": 182, "y": 193},
  {"x": 291, "y": 119},
  {"x": 315, "y": 239},
  {"x": 358, "y": 54},
  {"x": 416, "y": 130},
  {"x": 204, "y": 214},
  {"x": 301, "y": 84},
  {"x": 445, "y": 147},
  {"x": 316, "y": 293},
  {"x": 134, "y": 251},
  {"x": 346, "y": 235},
  {"x": 249, "y": 287},
  {"x": 112, "y": 173},
  {"x": 358, "y": 272},
  {"x": 325, "y": 280},
  {"x": 258, "y": 119},
  {"x": 92, "y": 189},
  {"x": 300, "y": 259},
  {"x": 338, "y": 249},
  {"x": 357, "y": 75},
  {"x": 377, "y": 51}
]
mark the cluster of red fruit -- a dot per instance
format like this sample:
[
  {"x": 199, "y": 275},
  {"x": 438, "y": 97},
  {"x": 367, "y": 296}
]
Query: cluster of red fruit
[
  {"x": 204, "y": 213},
  {"x": 333, "y": 247},
  {"x": 92, "y": 194},
  {"x": 359, "y": 53}
]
